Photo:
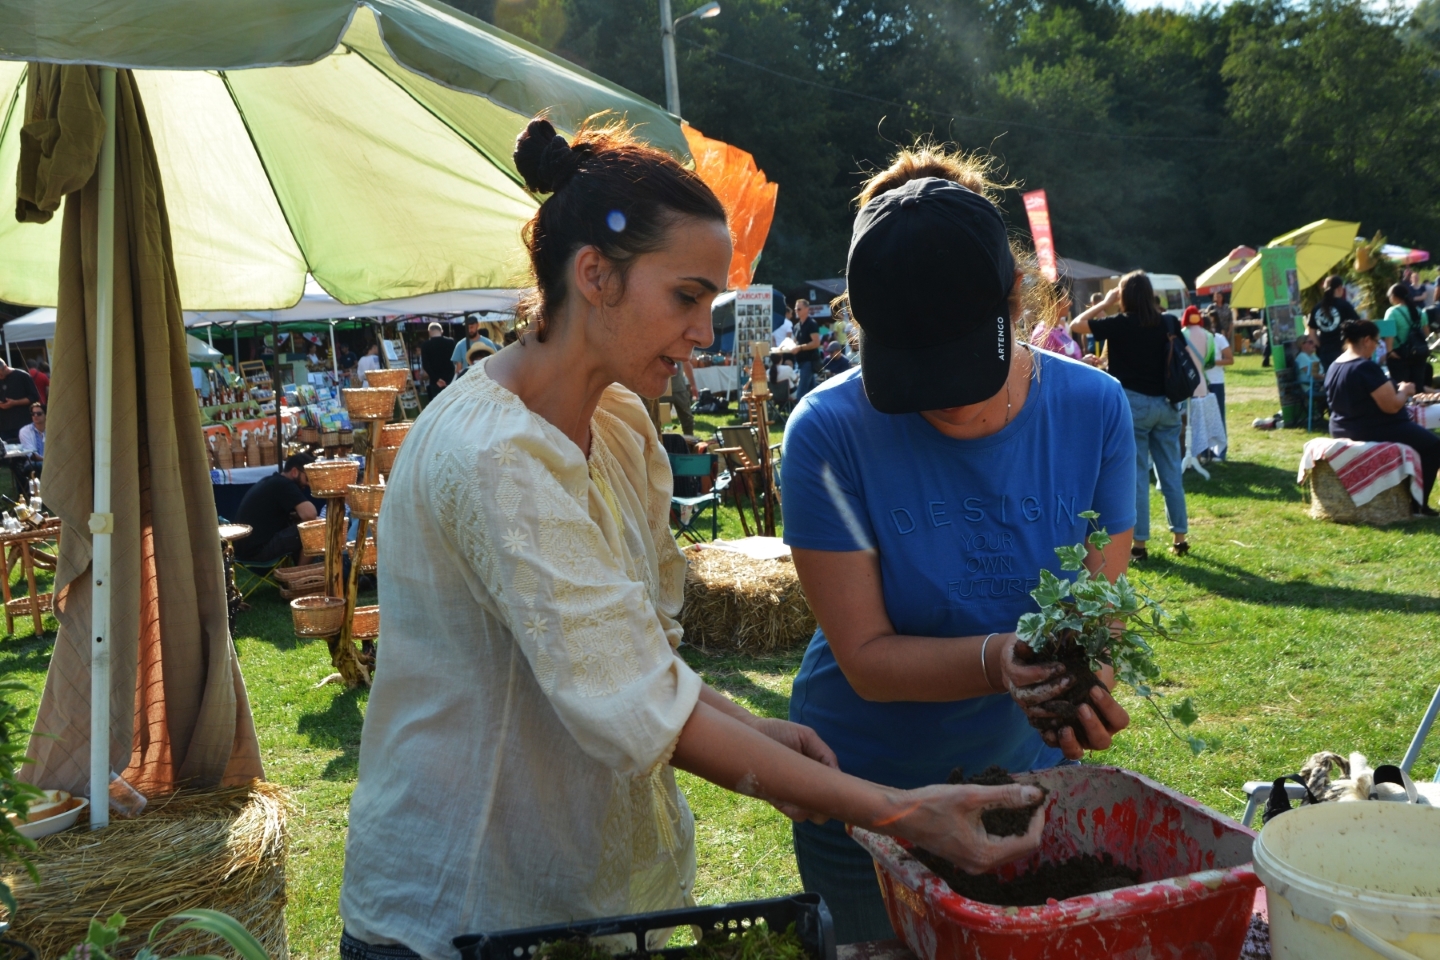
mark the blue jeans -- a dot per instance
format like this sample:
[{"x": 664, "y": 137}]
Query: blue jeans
[
  {"x": 1218, "y": 389},
  {"x": 1157, "y": 437},
  {"x": 807, "y": 379},
  {"x": 843, "y": 872}
]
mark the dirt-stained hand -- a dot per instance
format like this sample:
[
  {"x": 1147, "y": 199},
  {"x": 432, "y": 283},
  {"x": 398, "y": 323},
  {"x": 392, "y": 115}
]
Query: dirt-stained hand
[
  {"x": 946, "y": 820},
  {"x": 1099, "y": 723},
  {"x": 1030, "y": 684}
]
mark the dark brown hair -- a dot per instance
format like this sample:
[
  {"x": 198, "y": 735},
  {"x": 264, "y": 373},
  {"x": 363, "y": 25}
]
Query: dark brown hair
[
  {"x": 1354, "y": 331},
  {"x": 607, "y": 190},
  {"x": 1137, "y": 298}
]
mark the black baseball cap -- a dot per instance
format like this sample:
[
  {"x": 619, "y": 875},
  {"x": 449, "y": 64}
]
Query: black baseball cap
[{"x": 929, "y": 280}]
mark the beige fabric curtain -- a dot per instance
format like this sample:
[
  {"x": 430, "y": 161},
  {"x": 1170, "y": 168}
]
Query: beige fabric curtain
[{"x": 179, "y": 711}]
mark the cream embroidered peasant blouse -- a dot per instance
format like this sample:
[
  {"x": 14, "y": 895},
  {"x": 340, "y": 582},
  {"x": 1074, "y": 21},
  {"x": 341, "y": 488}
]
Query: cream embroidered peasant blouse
[{"x": 514, "y": 761}]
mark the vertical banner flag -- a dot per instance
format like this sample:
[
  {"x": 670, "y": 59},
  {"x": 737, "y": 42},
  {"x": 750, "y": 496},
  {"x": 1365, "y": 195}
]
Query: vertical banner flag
[{"x": 1039, "y": 213}]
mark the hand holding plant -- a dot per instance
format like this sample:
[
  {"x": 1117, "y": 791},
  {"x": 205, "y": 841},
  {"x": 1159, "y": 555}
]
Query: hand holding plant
[{"x": 1088, "y": 625}]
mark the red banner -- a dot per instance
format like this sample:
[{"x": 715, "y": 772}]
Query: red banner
[{"x": 1039, "y": 213}]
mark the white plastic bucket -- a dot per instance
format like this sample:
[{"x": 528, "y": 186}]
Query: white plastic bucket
[{"x": 1353, "y": 881}]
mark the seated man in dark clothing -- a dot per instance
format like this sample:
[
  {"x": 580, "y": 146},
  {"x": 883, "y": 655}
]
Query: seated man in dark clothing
[
  {"x": 835, "y": 360},
  {"x": 272, "y": 509},
  {"x": 1365, "y": 405}
]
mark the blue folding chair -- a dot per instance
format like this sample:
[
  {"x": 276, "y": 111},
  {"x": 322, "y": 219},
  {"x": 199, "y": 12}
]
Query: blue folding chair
[{"x": 686, "y": 511}]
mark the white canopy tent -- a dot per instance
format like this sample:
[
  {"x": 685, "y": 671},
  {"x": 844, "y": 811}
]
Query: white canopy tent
[
  {"x": 40, "y": 325},
  {"x": 316, "y": 305}
]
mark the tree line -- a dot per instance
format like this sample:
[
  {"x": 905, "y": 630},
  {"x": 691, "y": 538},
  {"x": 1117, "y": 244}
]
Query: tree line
[{"x": 1163, "y": 138}]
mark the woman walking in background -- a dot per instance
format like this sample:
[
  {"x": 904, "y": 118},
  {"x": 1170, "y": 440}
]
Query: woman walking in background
[
  {"x": 1407, "y": 353},
  {"x": 1138, "y": 341}
]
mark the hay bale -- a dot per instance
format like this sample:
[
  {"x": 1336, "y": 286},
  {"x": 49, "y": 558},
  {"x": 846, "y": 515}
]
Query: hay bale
[
  {"x": 737, "y": 603},
  {"x": 218, "y": 849},
  {"x": 1329, "y": 500}
]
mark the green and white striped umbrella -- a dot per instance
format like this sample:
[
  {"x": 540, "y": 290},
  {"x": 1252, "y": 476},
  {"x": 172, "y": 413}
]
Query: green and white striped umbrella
[{"x": 366, "y": 143}]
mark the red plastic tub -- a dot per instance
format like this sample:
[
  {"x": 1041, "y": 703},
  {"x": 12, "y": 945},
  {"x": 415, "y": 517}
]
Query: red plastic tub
[{"x": 1195, "y": 903}]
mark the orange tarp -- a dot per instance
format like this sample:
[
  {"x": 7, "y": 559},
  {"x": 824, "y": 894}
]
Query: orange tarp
[{"x": 748, "y": 197}]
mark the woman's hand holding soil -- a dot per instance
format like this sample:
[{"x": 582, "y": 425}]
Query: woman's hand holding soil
[
  {"x": 1038, "y": 687},
  {"x": 946, "y": 820}
]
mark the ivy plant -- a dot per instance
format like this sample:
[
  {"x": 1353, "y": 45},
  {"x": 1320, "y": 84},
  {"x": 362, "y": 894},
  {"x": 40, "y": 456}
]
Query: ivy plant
[{"x": 1111, "y": 622}]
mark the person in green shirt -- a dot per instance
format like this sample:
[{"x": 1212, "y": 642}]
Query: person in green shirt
[{"x": 1405, "y": 332}]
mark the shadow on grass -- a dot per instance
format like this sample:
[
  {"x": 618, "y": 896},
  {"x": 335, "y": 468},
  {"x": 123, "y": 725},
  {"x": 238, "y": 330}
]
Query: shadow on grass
[
  {"x": 338, "y": 728},
  {"x": 1235, "y": 583},
  {"x": 1240, "y": 480}
]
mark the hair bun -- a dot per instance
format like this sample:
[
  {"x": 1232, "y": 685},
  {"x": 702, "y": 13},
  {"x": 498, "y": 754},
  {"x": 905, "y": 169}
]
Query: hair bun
[{"x": 543, "y": 157}]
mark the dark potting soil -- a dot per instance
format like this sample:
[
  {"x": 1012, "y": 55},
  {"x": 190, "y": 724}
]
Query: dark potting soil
[
  {"x": 1007, "y": 822},
  {"x": 1065, "y": 708},
  {"x": 1060, "y": 881}
]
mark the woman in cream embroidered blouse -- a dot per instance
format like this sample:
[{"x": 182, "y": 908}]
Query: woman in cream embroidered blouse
[{"x": 528, "y": 705}]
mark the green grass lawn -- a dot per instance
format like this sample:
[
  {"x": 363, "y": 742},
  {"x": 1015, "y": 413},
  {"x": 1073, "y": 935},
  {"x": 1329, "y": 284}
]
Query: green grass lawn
[{"x": 1310, "y": 636}]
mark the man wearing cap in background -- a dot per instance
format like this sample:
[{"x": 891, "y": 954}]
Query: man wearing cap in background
[
  {"x": 924, "y": 493},
  {"x": 462, "y": 349},
  {"x": 479, "y": 349},
  {"x": 435, "y": 354}
]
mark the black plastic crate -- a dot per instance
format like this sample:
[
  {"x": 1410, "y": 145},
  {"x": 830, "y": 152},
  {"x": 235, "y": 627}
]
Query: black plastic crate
[{"x": 807, "y": 911}]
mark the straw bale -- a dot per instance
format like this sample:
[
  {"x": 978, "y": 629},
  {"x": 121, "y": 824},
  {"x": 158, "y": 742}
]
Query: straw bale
[
  {"x": 737, "y": 603},
  {"x": 1329, "y": 500},
  {"x": 218, "y": 849}
]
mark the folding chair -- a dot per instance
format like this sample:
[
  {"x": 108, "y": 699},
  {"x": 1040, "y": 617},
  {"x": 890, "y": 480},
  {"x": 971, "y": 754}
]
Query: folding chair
[
  {"x": 1258, "y": 791},
  {"x": 687, "y": 511},
  {"x": 250, "y": 575}
]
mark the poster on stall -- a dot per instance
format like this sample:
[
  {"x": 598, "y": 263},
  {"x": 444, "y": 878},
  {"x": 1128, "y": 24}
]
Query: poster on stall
[
  {"x": 1038, "y": 210},
  {"x": 1286, "y": 323},
  {"x": 753, "y": 311}
]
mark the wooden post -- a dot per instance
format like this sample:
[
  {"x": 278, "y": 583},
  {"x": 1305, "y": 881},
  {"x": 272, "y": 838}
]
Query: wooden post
[{"x": 334, "y": 546}]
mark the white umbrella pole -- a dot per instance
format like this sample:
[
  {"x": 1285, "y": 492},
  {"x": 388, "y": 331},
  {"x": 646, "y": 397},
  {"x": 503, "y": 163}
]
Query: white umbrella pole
[{"x": 102, "y": 521}]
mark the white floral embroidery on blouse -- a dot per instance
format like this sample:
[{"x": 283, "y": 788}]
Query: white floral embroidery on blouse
[{"x": 514, "y": 761}]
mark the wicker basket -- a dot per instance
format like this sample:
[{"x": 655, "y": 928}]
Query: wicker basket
[
  {"x": 370, "y": 403},
  {"x": 385, "y": 459},
  {"x": 393, "y": 434},
  {"x": 312, "y": 537},
  {"x": 309, "y": 436},
  {"x": 1330, "y": 501},
  {"x": 330, "y": 478},
  {"x": 364, "y": 500},
  {"x": 394, "y": 379},
  {"x": 317, "y": 616},
  {"x": 305, "y": 573},
  {"x": 367, "y": 562},
  {"x": 366, "y": 623}
]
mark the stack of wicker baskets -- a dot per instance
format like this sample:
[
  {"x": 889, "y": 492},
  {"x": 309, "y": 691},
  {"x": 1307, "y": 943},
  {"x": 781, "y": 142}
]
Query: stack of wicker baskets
[
  {"x": 302, "y": 581},
  {"x": 1329, "y": 500}
]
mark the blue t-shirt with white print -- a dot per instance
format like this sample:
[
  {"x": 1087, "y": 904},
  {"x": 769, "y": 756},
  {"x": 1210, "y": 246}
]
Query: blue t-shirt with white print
[{"x": 962, "y": 528}]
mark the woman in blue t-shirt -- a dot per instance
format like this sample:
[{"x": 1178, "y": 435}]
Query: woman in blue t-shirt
[{"x": 924, "y": 492}]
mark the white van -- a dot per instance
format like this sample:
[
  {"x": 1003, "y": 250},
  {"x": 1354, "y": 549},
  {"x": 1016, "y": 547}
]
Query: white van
[{"x": 1170, "y": 290}]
